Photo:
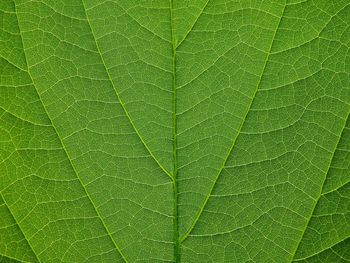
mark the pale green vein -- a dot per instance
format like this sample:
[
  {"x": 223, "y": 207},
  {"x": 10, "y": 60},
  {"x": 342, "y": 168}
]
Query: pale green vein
[
  {"x": 323, "y": 250},
  {"x": 120, "y": 100},
  {"x": 337, "y": 253},
  {"x": 175, "y": 163},
  {"x": 22, "y": 119},
  {"x": 194, "y": 23},
  {"x": 321, "y": 189},
  {"x": 14, "y": 218},
  {"x": 12, "y": 64},
  {"x": 66, "y": 152},
  {"x": 183, "y": 238},
  {"x": 142, "y": 26},
  {"x": 4, "y": 257},
  {"x": 339, "y": 187}
]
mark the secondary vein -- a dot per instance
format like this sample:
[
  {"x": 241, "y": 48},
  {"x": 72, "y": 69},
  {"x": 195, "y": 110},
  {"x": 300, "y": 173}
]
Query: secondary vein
[
  {"x": 194, "y": 23},
  {"x": 65, "y": 150},
  {"x": 24, "y": 235},
  {"x": 185, "y": 236},
  {"x": 323, "y": 250},
  {"x": 321, "y": 189},
  {"x": 3, "y": 257},
  {"x": 121, "y": 101}
]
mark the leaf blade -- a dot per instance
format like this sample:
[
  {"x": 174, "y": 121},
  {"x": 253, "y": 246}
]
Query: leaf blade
[{"x": 242, "y": 119}]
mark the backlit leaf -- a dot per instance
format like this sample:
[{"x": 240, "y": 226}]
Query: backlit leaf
[{"x": 174, "y": 131}]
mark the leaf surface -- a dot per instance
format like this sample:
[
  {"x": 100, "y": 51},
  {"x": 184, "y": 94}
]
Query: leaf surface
[{"x": 174, "y": 131}]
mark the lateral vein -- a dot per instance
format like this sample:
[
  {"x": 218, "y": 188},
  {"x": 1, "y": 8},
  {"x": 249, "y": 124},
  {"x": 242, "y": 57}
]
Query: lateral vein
[
  {"x": 185, "y": 236},
  {"x": 194, "y": 23},
  {"x": 65, "y": 150},
  {"x": 323, "y": 250},
  {"x": 14, "y": 218},
  {"x": 121, "y": 102},
  {"x": 320, "y": 192}
]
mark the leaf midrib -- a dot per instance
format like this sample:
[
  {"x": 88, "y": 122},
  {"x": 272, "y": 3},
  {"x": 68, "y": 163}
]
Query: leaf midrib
[{"x": 175, "y": 163}]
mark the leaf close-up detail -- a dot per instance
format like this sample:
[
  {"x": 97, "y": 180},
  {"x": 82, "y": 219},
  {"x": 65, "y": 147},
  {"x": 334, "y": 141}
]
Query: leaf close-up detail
[{"x": 174, "y": 131}]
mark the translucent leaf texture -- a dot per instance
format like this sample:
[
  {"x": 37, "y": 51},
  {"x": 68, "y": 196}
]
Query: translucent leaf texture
[{"x": 174, "y": 131}]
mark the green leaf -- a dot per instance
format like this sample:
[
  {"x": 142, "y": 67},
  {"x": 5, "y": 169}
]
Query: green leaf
[{"x": 174, "y": 131}]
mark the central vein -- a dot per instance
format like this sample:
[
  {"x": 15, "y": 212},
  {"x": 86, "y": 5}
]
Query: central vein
[{"x": 175, "y": 191}]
